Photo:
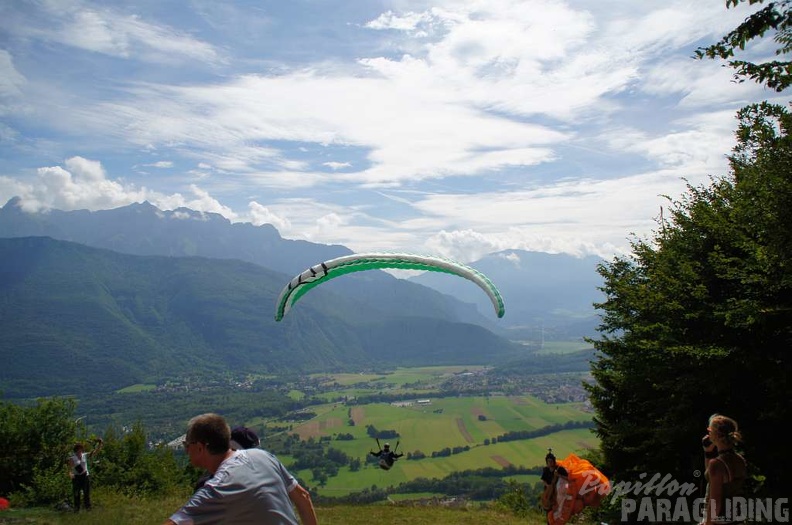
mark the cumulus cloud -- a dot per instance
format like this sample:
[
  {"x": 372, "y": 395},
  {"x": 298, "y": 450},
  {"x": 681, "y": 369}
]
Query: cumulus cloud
[
  {"x": 402, "y": 22},
  {"x": 262, "y": 215},
  {"x": 462, "y": 245},
  {"x": 555, "y": 128},
  {"x": 83, "y": 184}
]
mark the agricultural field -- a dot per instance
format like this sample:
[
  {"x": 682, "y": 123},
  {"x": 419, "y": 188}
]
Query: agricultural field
[
  {"x": 562, "y": 347},
  {"x": 429, "y": 424},
  {"x": 527, "y": 453},
  {"x": 137, "y": 388},
  {"x": 408, "y": 381}
]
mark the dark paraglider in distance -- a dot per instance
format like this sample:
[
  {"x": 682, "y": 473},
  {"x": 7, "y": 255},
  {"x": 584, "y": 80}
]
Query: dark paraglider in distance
[{"x": 387, "y": 457}]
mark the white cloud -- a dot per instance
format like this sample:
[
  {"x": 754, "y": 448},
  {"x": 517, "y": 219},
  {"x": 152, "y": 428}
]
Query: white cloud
[
  {"x": 85, "y": 187},
  {"x": 550, "y": 125},
  {"x": 11, "y": 81},
  {"x": 83, "y": 184},
  {"x": 408, "y": 22},
  {"x": 262, "y": 215},
  {"x": 161, "y": 164},
  {"x": 111, "y": 32},
  {"x": 337, "y": 165},
  {"x": 198, "y": 199},
  {"x": 512, "y": 257}
]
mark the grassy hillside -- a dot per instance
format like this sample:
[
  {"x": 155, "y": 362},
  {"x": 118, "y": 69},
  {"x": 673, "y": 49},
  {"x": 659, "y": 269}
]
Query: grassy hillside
[{"x": 110, "y": 508}]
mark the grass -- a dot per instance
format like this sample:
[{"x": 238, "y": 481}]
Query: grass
[
  {"x": 119, "y": 510},
  {"x": 132, "y": 389}
]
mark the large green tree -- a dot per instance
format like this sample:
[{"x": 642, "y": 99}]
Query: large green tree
[
  {"x": 698, "y": 319},
  {"x": 776, "y": 18},
  {"x": 36, "y": 441}
]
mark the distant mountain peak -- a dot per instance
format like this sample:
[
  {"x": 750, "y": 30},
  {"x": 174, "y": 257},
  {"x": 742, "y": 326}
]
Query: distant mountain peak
[{"x": 13, "y": 204}]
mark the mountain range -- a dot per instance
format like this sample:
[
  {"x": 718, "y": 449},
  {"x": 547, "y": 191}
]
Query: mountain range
[{"x": 100, "y": 300}]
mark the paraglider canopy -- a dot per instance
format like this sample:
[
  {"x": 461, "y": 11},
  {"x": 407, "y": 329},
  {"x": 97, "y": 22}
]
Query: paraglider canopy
[
  {"x": 578, "y": 484},
  {"x": 327, "y": 270}
]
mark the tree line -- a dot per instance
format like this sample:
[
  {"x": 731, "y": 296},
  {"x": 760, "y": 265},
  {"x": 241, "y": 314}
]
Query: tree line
[{"x": 39, "y": 438}]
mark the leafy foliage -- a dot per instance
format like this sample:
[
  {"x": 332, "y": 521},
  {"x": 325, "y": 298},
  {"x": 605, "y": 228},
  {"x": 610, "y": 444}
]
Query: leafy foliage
[
  {"x": 130, "y": 467},
  {"x": 775, "y": 16},
  {"x": 36, "y": 442},
  {"x": 38, "y": 439},
  {"x": 698, "y": 319},
  {"x": 517, "y": 499}
]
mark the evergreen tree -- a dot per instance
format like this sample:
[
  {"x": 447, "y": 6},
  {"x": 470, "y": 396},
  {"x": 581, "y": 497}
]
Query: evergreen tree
[{"x": 698, "y": 319}]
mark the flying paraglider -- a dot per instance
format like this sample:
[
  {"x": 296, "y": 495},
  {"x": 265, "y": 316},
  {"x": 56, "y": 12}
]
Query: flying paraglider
[
  {"x": 387, "y": 457},
  {"x": 327, "y": 270}
]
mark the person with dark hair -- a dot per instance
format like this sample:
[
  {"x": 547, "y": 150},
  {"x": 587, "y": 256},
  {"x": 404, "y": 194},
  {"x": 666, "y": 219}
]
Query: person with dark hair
[
  {"x": 80, "y": 475},
  {"x": 548, "y": 478},
  {"x": 249, "y": 486},
  {"x": 549, "y": 468},
  {"x": 242, "y": 438},
  {"x": 387, "y": 457},
  {"x": 725, "y": 469}
]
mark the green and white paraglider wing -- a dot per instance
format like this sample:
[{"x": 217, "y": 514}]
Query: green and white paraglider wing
[{"x": 322, "y": 272}]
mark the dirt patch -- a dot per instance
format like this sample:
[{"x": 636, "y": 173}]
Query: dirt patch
[
  {"x": 500, "y": 460},
  {"x": 310, "y": 430},
  {"x": 332, "y": 422},
  {"x": 315, "y": 429},
  {"x": 358, "y": 414},
  {"x": 463, "y": 430},
  {"x": 476, "y": 411}
]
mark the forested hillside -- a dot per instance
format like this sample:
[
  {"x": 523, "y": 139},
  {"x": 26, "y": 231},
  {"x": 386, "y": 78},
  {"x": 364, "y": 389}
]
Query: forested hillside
[{"x": 75, "y": 319}]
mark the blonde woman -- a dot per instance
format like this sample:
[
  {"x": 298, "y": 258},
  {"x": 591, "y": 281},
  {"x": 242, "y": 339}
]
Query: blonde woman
[{"x": 725, "y": 470}]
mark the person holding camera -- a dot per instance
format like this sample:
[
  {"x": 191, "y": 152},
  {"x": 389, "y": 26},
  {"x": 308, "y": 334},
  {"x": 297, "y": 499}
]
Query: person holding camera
[
  {"x": 79, "y": 474},
  {"x": 725, "y": 469}
]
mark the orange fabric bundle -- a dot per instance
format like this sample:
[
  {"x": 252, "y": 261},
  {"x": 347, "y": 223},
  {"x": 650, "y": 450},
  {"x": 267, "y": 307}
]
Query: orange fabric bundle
[{"x": 584, "y": 486}]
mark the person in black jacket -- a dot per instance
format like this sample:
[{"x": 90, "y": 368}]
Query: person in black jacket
[
  {"x": 548, "y": 478},
  {"x": 386, "y": 456}
]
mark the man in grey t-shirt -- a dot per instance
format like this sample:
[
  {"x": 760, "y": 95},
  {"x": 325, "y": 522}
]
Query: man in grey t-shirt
[{"x": 248, "y": 486}]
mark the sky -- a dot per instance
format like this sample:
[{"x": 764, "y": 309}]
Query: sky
[{"x": 456, "y": 128}]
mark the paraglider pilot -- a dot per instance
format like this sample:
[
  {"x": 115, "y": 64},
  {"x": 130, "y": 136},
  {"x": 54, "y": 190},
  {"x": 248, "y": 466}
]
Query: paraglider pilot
[
  {"x": 386, "y": 456},
  {"x": 549, "y": 478}
]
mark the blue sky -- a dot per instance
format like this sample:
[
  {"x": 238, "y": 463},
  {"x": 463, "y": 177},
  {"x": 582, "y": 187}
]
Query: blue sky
[{"x": 447, "y": 127}]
